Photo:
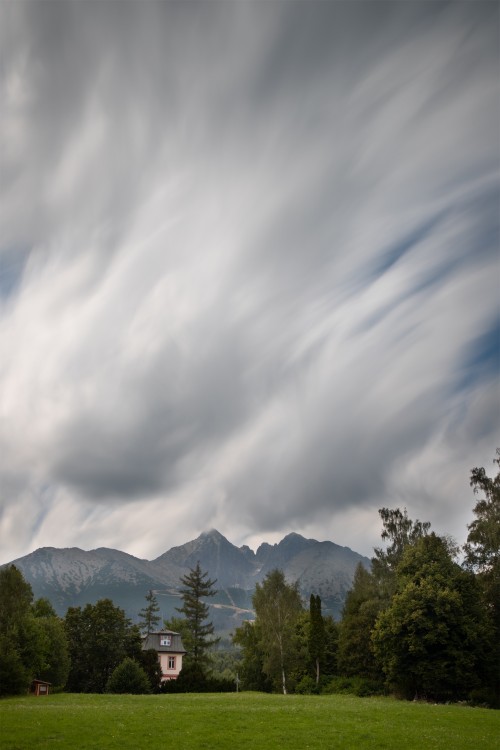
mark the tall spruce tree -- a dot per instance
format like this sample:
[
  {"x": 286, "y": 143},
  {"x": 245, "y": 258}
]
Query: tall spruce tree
[
  {"x": 150, "y": 619},
  {"x": 197, "y": 634},
  {"x": 317, "y": 637}
]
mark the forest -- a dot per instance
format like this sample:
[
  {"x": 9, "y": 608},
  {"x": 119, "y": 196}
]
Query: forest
[{"x": 422, "y": 624}]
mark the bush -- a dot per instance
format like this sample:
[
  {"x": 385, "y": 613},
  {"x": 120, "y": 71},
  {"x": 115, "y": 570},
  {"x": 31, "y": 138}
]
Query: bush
[
  {"x": 194, "y": 681},
  {"x": 220, "y": 685},
  {"x": 128, "y": 677},
  {"x": 360, "y": 686},
  {"x": 484, "y": 698},
  {"x": 307, "y": 686}
]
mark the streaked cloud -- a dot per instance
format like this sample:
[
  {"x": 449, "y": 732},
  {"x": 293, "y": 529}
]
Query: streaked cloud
[{"x": 248, "y": 269}]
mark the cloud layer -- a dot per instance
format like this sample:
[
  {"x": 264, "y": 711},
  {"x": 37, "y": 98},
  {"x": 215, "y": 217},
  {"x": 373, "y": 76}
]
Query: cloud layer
[{"x": 249, "y": 269}]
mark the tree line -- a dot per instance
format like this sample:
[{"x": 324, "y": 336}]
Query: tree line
[
  {"x": 418, "y": 624},
  {"x": 96, "y": 648}
]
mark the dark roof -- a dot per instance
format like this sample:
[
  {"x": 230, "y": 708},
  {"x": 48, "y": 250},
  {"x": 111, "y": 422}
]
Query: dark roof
[{"x": 152, "y": 640}]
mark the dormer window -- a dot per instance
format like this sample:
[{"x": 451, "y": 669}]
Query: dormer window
[{"x": 165, "y": 640}]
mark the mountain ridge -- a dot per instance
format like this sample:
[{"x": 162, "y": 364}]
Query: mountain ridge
[{"x": 70, "y": 576}]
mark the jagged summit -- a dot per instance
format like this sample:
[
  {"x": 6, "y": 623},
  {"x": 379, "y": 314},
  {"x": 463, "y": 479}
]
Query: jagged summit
[{"x": 212, "y": 534}]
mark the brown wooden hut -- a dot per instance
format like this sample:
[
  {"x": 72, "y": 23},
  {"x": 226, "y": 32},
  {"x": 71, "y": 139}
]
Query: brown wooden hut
[{"x": 40, "y": 687}]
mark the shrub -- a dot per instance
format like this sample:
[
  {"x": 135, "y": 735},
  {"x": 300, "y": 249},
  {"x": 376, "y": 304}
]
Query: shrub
[
  {"x": 360, "y": 686},
  {"x": 220, "y": 685},
  {"x": 484, "y": 698},
  {"x": 307, "y": 686},
  {"x": 128, "y": 677},
  {"x": 193, "y": 681}
]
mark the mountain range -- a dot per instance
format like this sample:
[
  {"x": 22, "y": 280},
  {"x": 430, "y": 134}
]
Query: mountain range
[{"x": 73, "y": 577}]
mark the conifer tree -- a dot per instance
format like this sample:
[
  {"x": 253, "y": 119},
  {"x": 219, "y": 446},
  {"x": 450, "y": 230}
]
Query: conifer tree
[
  {"x": 149, "y": 615},
  {"x": 316, "y": 633},
  {"x": 197, "y": 639}
]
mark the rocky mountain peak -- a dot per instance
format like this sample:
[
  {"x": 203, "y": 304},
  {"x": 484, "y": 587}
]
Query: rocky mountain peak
[{"x": 213, "y": 534}]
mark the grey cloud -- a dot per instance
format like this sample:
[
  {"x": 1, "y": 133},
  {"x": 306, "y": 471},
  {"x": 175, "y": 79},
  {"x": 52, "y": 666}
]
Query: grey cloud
[{"x": 138, "y": 435}]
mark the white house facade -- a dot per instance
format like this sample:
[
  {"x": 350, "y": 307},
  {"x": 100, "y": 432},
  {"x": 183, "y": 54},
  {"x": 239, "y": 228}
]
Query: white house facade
[{"x": 168, "y": 646}]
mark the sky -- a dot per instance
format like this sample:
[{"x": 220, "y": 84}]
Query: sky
[{"x": 249, "y": 269}]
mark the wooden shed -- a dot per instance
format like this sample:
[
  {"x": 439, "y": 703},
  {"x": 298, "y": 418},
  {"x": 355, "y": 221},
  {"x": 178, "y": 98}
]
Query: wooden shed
[{"x": 40, "y": 687}]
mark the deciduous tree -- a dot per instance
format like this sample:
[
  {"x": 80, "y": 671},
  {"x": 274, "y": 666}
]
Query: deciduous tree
[
  {"x": 482, "y": 548},
  {"x": 32, "y": 640},
  {"x": 400, "y": 531},
  {"x": 56, "y": 658},
  {"x": 277, "y": 606},
  {"x": 482, "y": 555},
  {"x": 430, "y": 640},
  {"x": 100, "y": 637},
  {"x": 16, "y": 595},
  {"x": 361, "y": 608},
  {"x": 249, "y": 637}
]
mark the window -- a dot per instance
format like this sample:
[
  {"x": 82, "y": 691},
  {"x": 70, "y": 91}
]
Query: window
[
  {"x": 171, "y": 662},
  {"x": 165, "y": 640}
]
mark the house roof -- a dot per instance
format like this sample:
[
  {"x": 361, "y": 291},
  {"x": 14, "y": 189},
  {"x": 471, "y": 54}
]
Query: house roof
[{"x": 153, "y": 640}]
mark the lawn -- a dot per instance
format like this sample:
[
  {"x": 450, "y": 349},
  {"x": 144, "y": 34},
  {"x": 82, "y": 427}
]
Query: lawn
[{"x": 238, "y": 721}]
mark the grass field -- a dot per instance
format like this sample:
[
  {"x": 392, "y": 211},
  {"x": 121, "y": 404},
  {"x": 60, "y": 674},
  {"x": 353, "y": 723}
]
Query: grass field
[{"x": 238, "y": 721}]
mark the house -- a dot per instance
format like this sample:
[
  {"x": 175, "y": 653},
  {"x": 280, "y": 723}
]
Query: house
[{"x": 168, "y": 646}]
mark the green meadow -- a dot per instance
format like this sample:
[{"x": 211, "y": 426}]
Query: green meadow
[{"x": 237, "y": 721}]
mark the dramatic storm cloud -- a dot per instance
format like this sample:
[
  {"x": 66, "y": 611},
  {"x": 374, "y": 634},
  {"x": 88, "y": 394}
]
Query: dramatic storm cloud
[{"x": 249, "y": 269}]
